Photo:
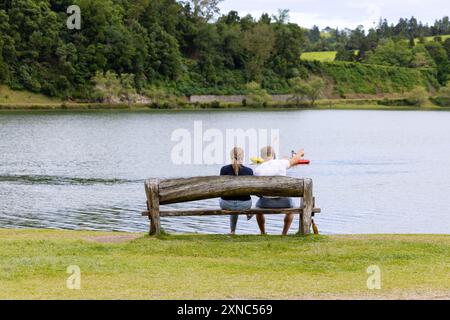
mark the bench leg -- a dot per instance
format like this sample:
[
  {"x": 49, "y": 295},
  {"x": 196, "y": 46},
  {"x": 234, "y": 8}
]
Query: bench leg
[
  {"x": 152, "y": 192},
  {"x": 307, "y": 206},
  {"x": 155, "y": 224},
  {"x": 149, "y": 217}
]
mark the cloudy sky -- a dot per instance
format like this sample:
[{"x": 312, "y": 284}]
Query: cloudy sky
[{"x": 343, "y": 13}]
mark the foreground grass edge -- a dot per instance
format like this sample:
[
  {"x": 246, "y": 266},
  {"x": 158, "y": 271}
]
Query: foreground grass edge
[{"x": 116, "y": 265}]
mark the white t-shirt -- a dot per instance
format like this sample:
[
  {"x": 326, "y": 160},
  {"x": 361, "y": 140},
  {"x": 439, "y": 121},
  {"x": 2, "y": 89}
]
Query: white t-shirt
[{"x": 272, "y": 168}]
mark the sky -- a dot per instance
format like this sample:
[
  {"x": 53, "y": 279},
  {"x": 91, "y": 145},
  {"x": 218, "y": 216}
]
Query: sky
[{"x": 343, "y": 13}]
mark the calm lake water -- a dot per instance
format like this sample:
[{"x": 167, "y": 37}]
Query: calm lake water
[{"x": 373, "y": 171}]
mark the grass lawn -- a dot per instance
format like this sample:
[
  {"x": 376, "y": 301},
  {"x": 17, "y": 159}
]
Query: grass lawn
[
  {"x": 33, "y": 265},
  {"x": 324, "y": 56},
  {"x": 14, "y": 97}
]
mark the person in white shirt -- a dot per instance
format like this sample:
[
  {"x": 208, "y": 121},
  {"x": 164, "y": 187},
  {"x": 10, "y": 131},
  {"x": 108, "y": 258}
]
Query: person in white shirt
[{"x": 273, "y": 167}]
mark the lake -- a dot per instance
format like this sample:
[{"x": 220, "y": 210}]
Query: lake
[{"x": 373, "y": 171}]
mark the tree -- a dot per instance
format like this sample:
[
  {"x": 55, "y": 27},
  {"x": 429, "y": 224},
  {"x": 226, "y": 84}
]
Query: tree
[
  {"x": 230, "y": 46},
  {"x": 314, "y": 34},
  {"x": 446, "y": 45},
  {"x": 177, "y": 45},
  {"x": 205, "y": 9},
  {"x": 265, "y": 19},
  {"x": 356, "y": 38},
  {"x": 299, "y": 89},
  {"x": 282, "y": 17},
  {"x": 289, "y": 38},
  {"x": 3, "y": 71},
  {"x": 343, "y": 54},
  {"x": 311, "y": 89},
  {"x": 4, "y": 39},
  {"x": 259, "y": 43},
  {"x": 164, "y": 55},
  {"x": 440, "y": 57},
  {"x": 421, "y": 57},
  {"x": 391, "y": 53},
  {"x": 231, "y": 18}
]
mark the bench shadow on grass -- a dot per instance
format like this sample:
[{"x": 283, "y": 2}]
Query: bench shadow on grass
[{"x": 225, "y": 238}]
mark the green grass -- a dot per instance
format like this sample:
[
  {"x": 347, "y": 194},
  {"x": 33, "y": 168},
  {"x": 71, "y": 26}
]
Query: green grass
[
  {"x": 14, "y": 97},
  {"x": 323, "y": 56},
  {"x": 431, "y": 38},
  {"x": 33, "y": 265}
]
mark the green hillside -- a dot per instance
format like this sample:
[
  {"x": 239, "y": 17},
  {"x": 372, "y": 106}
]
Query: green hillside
[{"x": 358, "y": 78}]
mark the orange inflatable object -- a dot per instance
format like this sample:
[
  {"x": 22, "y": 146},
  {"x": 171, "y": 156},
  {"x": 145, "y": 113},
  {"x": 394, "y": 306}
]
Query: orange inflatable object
[{"x": 304, "y": 162}]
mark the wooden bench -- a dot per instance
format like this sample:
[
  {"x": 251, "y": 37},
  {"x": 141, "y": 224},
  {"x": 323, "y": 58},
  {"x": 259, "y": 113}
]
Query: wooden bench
[{"x": 170, "y": 191}]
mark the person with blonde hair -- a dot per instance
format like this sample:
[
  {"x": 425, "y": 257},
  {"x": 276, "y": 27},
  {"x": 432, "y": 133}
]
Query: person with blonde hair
[
  {"x": 236, "y": 168},
  {"x": 273, "y": 167}
]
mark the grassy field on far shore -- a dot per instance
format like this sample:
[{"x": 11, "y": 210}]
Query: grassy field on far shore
[
  {"x": 324, "y": 56},
  {"x": 15, "y": 97},
  {"x": 431, "y": 38},
  {"x": 33, "y": 265}
]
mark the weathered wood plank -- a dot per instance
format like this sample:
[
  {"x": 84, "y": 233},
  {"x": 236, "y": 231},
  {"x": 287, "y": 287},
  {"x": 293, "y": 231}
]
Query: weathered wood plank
[
  {"x": 151, "y": 190},
  {"x": 218, "y": 212},
  {"x": 200, "y": 188},
  {"x": 308, "y": 206}
]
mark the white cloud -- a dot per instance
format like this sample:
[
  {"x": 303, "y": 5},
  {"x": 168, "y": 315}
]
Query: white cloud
[{"x": 350, "y": 13}]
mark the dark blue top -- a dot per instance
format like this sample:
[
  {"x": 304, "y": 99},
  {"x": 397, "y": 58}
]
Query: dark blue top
[{"x": 243, "y": 171}]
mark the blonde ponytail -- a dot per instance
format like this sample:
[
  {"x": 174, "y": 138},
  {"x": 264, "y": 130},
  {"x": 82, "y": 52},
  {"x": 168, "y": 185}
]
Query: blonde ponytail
[{"x": 237, "y": 157}]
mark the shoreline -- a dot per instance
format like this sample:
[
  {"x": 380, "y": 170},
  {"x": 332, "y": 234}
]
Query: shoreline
[{"x": 321, "y": 105}]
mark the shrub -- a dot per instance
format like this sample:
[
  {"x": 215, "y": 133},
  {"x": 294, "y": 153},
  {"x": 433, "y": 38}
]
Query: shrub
[
  {"x": 257, "y": 95},
  {"x": 418, "y": 96},
  {"x": 156, "y": 94},
  {"x": 107, "y": 86},
  {"x": 127, "y": 88},
  {"x": 443, "y": 96},
  {"x": 441, "y": 101},
  {"x": 215, "y": 105},
  {"x": 396, "y": 102},
  {"x": 310, "y": 89},
  {"x": 444, "y": 92}
]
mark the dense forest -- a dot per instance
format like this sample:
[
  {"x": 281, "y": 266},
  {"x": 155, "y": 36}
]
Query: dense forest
[{"x": 189, "y": 47}]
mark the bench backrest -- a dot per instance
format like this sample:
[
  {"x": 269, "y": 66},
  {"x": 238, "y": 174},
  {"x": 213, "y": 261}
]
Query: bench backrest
[
  {"x": 199, "y": 188},
  {"x": 161, "y": 192}
]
